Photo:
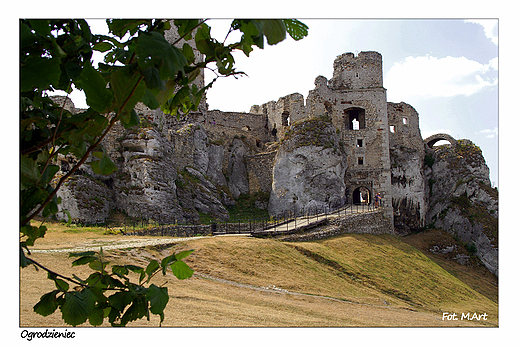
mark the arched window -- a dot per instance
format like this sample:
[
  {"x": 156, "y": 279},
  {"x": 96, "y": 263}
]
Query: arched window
[{"x": 355, "y": 118}]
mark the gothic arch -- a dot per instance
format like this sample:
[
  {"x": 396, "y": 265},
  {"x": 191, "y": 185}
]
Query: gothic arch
[{"x": 430, "y": 141}]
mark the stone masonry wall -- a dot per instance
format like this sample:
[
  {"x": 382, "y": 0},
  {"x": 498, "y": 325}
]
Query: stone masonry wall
[{"x": 260, "y": 171}]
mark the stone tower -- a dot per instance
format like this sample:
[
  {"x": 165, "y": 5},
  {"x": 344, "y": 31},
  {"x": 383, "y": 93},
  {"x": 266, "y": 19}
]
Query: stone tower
[{"x": 355, "y": 99}]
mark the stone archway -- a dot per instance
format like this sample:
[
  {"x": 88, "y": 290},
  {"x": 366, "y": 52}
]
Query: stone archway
[
  {"x": 361, "y": 195},
  {"x": 430, "y": 141}
]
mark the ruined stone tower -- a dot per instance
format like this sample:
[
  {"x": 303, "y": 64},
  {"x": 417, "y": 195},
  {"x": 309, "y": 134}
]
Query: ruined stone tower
[{"x": 355, "y": 99}]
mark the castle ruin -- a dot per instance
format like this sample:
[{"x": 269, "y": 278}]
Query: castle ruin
[{"x": 342, "y": 145}]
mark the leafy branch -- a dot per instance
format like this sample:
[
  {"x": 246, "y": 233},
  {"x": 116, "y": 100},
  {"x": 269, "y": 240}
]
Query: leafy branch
[
  {"x": 89, "y": 299},
  {"x": 140, "y": 66}
]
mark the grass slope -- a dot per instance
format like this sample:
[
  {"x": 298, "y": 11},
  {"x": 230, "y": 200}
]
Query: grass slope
[{"x": 350, "y": 280}]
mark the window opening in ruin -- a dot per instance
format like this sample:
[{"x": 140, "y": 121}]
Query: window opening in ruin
[
  {"x": 392, "y": 128},
  {"x": 359, "y": 143},
  {"x": 360, "y": 160},
  {"x": 285, "y": 119},
  {"x": 355, "y": 118},
  {"x": 405, "y": 121},
  {"x": 361, "y": 195}
]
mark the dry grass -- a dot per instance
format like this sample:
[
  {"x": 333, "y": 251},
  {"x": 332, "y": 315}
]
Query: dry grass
[{"x": 352, "y": 280}]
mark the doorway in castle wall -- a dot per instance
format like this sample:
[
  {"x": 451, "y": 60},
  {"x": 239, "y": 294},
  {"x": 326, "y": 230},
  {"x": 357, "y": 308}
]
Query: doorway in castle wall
[{"x": 361, "y": 196}]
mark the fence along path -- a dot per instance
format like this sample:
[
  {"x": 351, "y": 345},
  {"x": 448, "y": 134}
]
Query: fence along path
[
  {"x": 309, "y": 221},
  {"x": 286, "y": 223}
]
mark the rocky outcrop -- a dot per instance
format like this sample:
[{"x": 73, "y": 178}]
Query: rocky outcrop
[
  {"x": 144, "y": 184},
  {"x": 85, "y": 199},
  {"x": 309, "y": 169},
  {"x": 461, "y": 199},
  {"x": 238, "y": 183},
  {"x": 407, "y": 151},
  {"x": 408, "y": 189}
]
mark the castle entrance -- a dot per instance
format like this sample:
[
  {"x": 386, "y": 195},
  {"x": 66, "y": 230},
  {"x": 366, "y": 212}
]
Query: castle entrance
[{"x": 361, "y": 196}]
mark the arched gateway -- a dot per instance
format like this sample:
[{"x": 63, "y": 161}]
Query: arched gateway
[{"x": 430, "y": 141}]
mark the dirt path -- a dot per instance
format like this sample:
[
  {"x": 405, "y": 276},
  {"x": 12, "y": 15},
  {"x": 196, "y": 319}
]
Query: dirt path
[{"x": 122, "y": 243}]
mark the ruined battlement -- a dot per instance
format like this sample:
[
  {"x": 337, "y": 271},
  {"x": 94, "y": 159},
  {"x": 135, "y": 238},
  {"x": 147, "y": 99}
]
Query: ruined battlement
[{"x": 357, "y": 72}]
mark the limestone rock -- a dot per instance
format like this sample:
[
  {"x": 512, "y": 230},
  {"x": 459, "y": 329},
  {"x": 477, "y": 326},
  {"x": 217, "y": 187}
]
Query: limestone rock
[
  {"x": 462, "y": 200},
  {"x": 408, "y": 189},
  {"x": 238, "y": 182},
  {"x": 309, "y": 169},
  {"x": 145, "y": 183},
  {"x": 85, "y": 199}
]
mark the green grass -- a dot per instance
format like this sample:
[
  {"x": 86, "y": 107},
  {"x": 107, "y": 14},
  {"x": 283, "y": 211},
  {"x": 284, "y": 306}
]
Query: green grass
[{"x": 245, "y": 208}]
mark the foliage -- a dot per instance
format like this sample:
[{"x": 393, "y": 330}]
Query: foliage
[
  {"x": 429, "y": 160},
  {"x": 140, "y": 65},
  {"x": 129, "y": 301}
]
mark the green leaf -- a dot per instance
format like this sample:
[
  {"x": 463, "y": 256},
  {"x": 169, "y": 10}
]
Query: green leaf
[
  {"x": 84, "y": 260},
  {"x": 47, "y": 304},
  {"x": 150, "y": 100},
  {"x": 120, "y": 271},
  {"x": 120, "y": 27},
  {"x": 158, "y": 298},
  {"x": 102, "y": 46},
  {"x": 49, "y": 173},
  {"x": 61, "y": 285},
  {"x": 137, "y": 310},
  {"x": 128, "y": 89},
  {"x": 296, "y": 29},
  {"x": 80, "y": 254},
  {"x": 32, "y": 233},
  {"x": 39, "y": 73},
  {"x": 95, "y": 88},
  {"x": 130, "y": 119},
  {"x": 183, "y": 254},
  {"x": 97, "y": 265},
  {"x": 188, "y": 53},
  {"x": 74, "y": 311},
  {"x": 181, "y": 270},
  {"x": 153, "y": 79},
  {"x": 96, "y": 317},
  {"x": 152, "y": 267},
  {"x": 120, "y": 300},
  {"x": 106, "y": 166},
  {"x": 274, "y": 30},
  {"x": 153, "y": 50},
  {"x": 29, "y": 170},
  {"x": 185, "y": 27}
]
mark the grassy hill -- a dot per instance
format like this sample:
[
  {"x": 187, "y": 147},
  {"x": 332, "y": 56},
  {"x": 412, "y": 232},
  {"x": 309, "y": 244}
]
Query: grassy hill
[{"x": 349, "y": 280}]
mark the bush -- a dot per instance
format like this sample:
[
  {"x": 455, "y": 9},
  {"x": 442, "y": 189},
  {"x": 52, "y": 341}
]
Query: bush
[{"x": 471, "y": 247}]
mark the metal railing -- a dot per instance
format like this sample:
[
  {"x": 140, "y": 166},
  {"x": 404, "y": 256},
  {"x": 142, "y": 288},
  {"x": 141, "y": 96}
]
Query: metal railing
[{"x": 288, "y": 220}]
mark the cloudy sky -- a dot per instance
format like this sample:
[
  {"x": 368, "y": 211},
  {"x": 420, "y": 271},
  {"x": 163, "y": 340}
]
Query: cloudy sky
[{"x": 446, "y": 69}]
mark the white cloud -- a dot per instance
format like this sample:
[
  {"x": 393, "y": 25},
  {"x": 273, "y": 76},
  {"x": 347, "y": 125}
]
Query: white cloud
[
  {"x": 490, "y": 133},
  {"x": 490, "y": 28},
  {"x": 427, "y": 76}
]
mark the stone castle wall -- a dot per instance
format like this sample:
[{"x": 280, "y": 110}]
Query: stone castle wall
[{"x": 260, "y": 172}]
